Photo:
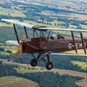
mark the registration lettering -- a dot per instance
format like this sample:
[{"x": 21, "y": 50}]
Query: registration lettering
[{"x": 77, "y": 45}]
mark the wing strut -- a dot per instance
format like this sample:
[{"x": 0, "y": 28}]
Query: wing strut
[
  {"x": 83, "y": 42},
  {"x": 74, "y": 42},
  {"x": 16, "y": 32},
  {"x": 25, "y": 32}
]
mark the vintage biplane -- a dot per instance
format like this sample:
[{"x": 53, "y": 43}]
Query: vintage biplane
[{"x": 45, "y": 45}]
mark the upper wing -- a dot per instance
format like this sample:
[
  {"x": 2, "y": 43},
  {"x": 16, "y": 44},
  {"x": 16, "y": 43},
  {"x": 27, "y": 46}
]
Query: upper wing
[
  {"x": 64, "y": 29},
  {"x": 42, "y": 28},
  {"x": 10, "y": 21},
  {"x": 17, "y": 22}
]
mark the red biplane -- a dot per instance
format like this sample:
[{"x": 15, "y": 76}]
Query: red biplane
[{"x": 45, "y": 45}]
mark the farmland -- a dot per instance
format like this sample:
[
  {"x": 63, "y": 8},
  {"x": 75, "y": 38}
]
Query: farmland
[
  {"x": 11, "y": 12},
  {"x": 12, "y": 81},
  {"x": 82, "y": 83},
  {"x": 24, "y": 68},
  {"x": 83, "y": 65}
]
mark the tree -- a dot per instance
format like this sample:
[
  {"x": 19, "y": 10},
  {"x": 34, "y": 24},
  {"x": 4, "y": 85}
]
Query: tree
[
  {"x": 8, "y": 51},
  {"x": 0, "y": 62},
  {"x": 1, "y": 49}
]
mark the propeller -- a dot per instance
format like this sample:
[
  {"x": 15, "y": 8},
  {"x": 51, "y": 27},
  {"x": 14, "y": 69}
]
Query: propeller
[{"x": 19, "y": 52}]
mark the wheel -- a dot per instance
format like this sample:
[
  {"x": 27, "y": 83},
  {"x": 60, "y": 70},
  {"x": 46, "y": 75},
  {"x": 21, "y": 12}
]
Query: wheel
[
  {"x": 33, "y": 62},
  {"x": 49, "y": 66}
]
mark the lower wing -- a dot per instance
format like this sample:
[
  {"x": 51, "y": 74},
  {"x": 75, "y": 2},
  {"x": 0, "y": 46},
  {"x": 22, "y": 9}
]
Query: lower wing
[{"x": 13, "y": 42}]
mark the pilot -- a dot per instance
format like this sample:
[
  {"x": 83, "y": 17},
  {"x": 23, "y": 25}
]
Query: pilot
[{"x": 60, "y": 37}]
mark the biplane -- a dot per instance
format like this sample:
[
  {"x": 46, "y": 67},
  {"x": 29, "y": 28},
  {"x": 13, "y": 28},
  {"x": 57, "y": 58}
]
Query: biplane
[{"x": 46, "y": 45}]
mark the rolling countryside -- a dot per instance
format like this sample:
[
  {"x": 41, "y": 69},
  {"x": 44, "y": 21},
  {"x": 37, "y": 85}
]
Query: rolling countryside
[{"x": 15, "y": 70}]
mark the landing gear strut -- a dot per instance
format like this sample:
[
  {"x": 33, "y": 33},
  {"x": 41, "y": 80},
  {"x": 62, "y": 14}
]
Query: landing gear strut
[{"x": 49, "y": 65}]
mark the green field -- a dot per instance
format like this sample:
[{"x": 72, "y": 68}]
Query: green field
[
  {"x": 83, "y": 65},
  {"x": 13, "y": 49},
  {"x": 82, "y": 83},
  {"x": 12, "y": 81},
  {"x": 12, "y": 12}
]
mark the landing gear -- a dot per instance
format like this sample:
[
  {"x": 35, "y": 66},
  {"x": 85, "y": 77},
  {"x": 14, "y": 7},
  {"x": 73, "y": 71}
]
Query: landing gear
[
  {"x": 45, "y": 58},
  {"x": 49, "y": 66},
  {"x": 33, "y": 62}
]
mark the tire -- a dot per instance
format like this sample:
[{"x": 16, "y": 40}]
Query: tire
[
  {"x": 49, "y": 66},
  {"x": 33, "y": 62}
]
